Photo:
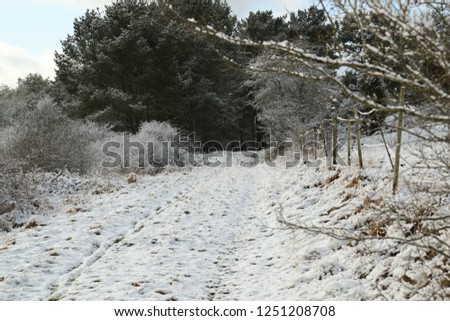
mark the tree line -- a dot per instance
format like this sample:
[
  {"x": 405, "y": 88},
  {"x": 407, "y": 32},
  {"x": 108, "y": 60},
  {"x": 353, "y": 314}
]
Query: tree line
[{"x": 138, "y": 61}]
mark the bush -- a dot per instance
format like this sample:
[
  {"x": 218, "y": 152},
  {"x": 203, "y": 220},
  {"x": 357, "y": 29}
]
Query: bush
[
  {"x": 155, "y": 139},
  {"x": 18, "y": 191},
  {"x": 157, "y": 133},
  {"x": 46, "y": 139}
]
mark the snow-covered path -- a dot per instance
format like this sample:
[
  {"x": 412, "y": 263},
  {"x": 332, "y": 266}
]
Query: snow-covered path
[
  {"x": 214, "y": 234},
  {"x": 197, "y": 235}
]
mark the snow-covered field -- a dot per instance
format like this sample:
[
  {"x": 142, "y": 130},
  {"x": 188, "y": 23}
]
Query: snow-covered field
[{"x": 215, "y": 234}]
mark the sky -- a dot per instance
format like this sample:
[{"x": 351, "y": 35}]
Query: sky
[{"x": 31, "y": 30}]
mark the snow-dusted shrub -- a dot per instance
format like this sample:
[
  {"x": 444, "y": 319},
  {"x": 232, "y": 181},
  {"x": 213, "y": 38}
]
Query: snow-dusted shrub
[
  {"x": 46, "y": 139},
  {"x": 149, "y": 150},
  {"x": 9, "y": 109},
  {"x": 41, "y": 140},
  {"x": 18, "y": 191},
  {"x": 156, "y": 131},
  {"x": 157, "y": 138},
  {"x": 4, "y": 226}
]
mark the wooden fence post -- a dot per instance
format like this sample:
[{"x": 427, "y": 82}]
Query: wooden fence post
[
  {"x": 398, "y": 145},
  {"x": 315, "y": 142},
  {"x": 385, "y": 143},
  {"x": 335, "y": 139},
  {"x": 349, "y": 142},
  {"x": 358, "y": 139},
  {"x": 303, "y": 142},
  {"x": 324, "y": 138}
]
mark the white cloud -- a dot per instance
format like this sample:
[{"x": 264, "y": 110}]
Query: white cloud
[
  {"x": 18, "y": 63},
  {"x": 240, "y": 7},
  {"x": 72, "y": 3}
]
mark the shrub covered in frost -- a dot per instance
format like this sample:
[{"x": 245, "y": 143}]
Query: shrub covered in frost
[
  {"x": 156, "y": 137},
  {"x": 46, "y": 139},
  {"x": 149, "y": 150}
]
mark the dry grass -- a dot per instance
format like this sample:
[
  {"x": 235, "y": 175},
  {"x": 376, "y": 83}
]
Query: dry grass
[
  {"x": 354, "y": 182},
  {"x": 30, "y": 225},
  {"x": 132, "y": 178},
  {"x": 368, "y": 201},
  {"x": 331, "y": 179},
  {"x": 377, "y": 228}
]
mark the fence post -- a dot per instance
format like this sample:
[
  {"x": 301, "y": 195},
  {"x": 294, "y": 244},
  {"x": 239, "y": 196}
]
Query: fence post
[
  {"x": 324, "y": 138},
  {"x": 358, "y": 138},
  {"x": 349, "y": 142},
  {"x": 335, "y": 139},
  {"x": 385, "y": 143},
  {"x": 315, "y": 142},
  {"x": 398, "y": 145}
]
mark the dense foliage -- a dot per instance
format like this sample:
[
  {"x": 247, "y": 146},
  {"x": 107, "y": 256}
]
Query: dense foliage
[
  {"x": 137, "y": 61},
  {"x": 141, "y": 61}
]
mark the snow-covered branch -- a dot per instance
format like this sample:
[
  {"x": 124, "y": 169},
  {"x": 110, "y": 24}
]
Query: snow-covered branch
[{"x": 400, "y": 44}]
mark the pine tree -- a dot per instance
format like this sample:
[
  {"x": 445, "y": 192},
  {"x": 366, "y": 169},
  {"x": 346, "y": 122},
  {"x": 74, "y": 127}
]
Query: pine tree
[{"x": 138, "y": 61}]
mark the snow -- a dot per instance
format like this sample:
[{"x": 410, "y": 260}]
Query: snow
[{"x": 208, "y": 233}]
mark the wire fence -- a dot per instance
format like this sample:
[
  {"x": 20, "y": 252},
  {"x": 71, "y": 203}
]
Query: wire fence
[{"x": 331, "y": 131}]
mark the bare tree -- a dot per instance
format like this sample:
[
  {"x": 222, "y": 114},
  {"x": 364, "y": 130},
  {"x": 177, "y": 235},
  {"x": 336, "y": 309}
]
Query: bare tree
[{"x": 286, "y": 105}]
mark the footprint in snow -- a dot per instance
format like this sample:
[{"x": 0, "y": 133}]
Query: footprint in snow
[{"x": 162, "y": 291}]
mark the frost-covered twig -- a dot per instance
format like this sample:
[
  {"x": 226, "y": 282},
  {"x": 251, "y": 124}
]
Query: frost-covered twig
[{"x": 431, "y": 48}]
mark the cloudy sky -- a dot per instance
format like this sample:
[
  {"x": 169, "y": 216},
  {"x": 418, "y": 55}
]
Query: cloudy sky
[{"x": 31, "y": 30}]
